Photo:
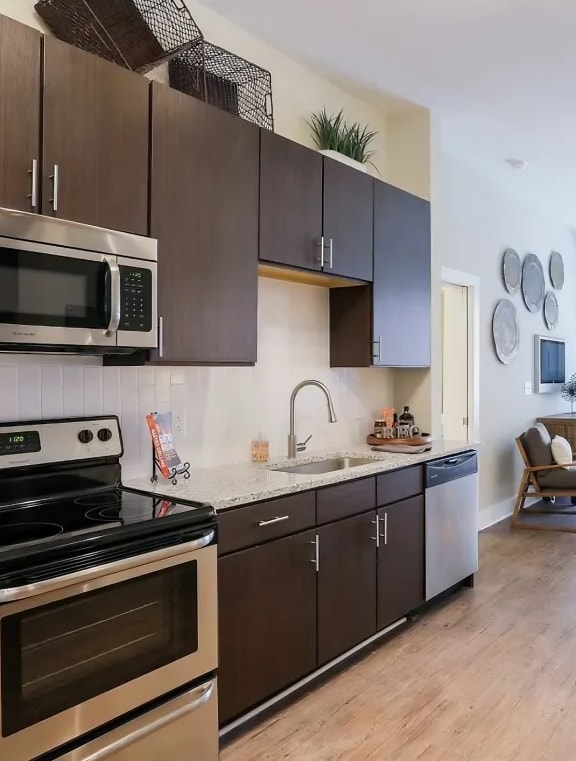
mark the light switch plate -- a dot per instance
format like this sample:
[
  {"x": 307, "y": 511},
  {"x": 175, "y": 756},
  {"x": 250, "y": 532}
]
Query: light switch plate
[{"x": 528, "y": 388}]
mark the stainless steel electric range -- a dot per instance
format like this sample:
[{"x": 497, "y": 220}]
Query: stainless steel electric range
[{"x": 108, "y": 605}]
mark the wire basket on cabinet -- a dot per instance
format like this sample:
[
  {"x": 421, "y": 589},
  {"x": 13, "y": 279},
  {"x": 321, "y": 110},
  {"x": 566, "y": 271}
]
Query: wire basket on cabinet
[
  {"x": 224, "y": 79},
  {"x": 137, "y": 34}
]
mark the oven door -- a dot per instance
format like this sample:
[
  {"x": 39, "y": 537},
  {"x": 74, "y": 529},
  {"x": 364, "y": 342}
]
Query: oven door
[
  {"x": 79, "y": 656},
  {"x": 57, "y": 296}
]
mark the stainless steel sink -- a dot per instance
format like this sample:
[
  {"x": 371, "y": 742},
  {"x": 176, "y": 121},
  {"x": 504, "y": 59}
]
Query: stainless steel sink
[{"x": 326, "y": 466}]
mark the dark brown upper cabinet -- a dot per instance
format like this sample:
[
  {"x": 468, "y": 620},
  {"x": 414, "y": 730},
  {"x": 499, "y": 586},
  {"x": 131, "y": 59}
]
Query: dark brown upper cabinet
[
  {"x": 402, "y": 263},
  {"x": 267, "y": 621},
  {"x": 346, "y": 585},
  {"x": 290, "y": 203},
  {"x": 400, "y": 560},
  {"x": 387, "y": 324},
  {"x": 95, "y": 132},
  {"x": 20, "y": 61},
  {"x": 204, "y": 213},
  {"x": 348, "y": 221}
]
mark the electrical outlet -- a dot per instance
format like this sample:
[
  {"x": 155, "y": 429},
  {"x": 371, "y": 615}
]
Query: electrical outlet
[
  {"x": 179, "y": 424},
  {"x": 528, "y": 388}
]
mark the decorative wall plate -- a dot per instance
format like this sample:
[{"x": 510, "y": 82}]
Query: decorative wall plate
[
  {"x": 556, "y": 270},
  {"x": 533, "y": 283},
  {"x": 506, "y": 331},
  {"x": 551, "y": 310},
  {"x": 511, "y": 270}
]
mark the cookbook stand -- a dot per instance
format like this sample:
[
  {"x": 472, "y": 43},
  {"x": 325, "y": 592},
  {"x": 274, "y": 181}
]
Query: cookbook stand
[{"x": 183, "y": 470}]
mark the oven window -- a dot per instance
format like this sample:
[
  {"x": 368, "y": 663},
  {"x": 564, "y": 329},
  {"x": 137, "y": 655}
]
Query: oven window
[
  {"x": 60, "y": 655},
  {"x": 52, "y": 291}
]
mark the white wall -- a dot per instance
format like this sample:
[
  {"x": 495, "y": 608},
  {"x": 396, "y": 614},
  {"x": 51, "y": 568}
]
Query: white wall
[
  {"x": 224, "y": 408},
  {"x": 476, "y": 221}
]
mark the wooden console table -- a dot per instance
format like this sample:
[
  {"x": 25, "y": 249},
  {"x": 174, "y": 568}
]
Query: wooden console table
[{"x": 561, "y": 425}]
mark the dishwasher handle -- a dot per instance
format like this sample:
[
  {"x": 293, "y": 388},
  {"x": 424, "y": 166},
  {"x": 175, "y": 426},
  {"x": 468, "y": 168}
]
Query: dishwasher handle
[{"x": 450, "y": 469}]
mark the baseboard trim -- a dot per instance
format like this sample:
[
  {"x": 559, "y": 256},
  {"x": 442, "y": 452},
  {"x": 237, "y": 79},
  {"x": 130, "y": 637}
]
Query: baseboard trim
[
  {"x": 234, "y": 726},
  {"x": 496, "y": 512}
]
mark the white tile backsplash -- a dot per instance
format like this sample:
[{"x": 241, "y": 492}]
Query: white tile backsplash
[{"x": 222, "y": 408}]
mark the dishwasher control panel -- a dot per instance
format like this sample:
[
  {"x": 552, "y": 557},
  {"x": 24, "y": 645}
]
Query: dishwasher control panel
[{"x": 451, "y": 468}]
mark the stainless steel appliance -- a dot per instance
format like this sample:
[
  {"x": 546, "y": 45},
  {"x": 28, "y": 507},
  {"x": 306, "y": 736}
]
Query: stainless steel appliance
[
  {"x": 108, "y": 605},
  {"x": 451, "y": 521},
  {"x": 68, "y": 287}
]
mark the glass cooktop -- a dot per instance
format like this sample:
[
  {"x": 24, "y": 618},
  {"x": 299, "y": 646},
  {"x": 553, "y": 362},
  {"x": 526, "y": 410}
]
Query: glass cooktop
[{"x": 92, "y": 514}]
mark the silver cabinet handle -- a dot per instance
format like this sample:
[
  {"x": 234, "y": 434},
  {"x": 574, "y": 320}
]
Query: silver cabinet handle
[
  {"x": 316, "y": 559},
  {"x": 160, "y": 337},
  {"x": 377, "y": 342},
  {"x": 331, "y": 253},
  {"x": 115, "y": 296},
  {"x": 322, "y": 247},
  {"x": 377, "y": 524},
  {"x": 278, "y": 519},
  {"x": 385, "y": 537},
  {"x": 195, "y": 698},
  {"x": 55, "y": 177},
  {"x": 33, "y": 195}
]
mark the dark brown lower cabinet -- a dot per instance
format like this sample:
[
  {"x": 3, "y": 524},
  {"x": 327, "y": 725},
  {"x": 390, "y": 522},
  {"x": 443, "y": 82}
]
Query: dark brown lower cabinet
[
  {"x": 267, "y": 610},
  {"x": 400, "y": 559},
  {"x": 346, "y": 585}
]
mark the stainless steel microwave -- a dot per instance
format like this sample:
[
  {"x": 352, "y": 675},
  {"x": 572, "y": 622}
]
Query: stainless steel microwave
[{"x": 69, "y": 287}]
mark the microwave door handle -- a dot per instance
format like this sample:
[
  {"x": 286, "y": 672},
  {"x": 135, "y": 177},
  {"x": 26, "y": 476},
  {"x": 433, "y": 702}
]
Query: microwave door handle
[{"x": 115, "y": 296}]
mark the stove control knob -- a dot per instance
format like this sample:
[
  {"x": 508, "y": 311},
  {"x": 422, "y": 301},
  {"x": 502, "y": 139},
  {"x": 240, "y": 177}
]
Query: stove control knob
[
  {"x": 85, "y": 436},
  {"x": 104, "y": 434}
]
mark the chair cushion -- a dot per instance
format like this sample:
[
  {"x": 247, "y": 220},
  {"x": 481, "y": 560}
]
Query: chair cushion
[
  {"x": 537, "y": 441},
  {"x": 561, "y": 451},
  {"x": 558, "y": 479}
]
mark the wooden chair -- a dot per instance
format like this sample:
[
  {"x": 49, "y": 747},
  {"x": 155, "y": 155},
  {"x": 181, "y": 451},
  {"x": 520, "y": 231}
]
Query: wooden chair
[{"x": 530, "y": 487}]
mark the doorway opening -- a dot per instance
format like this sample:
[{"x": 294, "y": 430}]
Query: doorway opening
[{"x": 460, "y": 356}]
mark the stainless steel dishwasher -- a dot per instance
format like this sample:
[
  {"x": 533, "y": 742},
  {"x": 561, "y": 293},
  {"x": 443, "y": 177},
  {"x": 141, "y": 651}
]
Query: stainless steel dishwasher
[{"x": 451, "y": 521}]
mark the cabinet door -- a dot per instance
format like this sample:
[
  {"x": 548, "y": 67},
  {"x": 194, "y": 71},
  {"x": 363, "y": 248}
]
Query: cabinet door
[
  {"x": 96, "y": 132},
  {"x": 20, "y": 52},
  {"x": 348, "y": 220},
  {"x": 401, "y": 291},
  {"x": 267, "y": 621},
  {"x": 290, "y": 202},
  {"x": 346, "y": 585},
  {"x": 204, "y": 212},
  {"x": 400, "y": 560}
]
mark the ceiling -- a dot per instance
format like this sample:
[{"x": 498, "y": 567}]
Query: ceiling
[{"x": 500, "y": 73}]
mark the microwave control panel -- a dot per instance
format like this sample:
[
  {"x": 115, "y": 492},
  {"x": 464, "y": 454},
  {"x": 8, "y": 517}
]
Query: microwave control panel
[{"x": 136, "y": 296}]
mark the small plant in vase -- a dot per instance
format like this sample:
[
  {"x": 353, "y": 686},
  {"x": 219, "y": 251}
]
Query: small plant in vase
[
  {"x": 568, "y": 392},
  {"x": 336, "y": 138}
]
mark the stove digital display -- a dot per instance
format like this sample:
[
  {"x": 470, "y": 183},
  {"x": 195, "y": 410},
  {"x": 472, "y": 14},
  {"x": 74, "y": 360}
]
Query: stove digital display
[{"x": 19, "y": 442}]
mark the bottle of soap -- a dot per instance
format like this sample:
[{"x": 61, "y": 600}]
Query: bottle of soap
[{"x": 260, "y": 449}]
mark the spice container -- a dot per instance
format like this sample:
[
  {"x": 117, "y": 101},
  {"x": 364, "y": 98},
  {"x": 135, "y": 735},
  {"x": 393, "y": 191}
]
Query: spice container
[{"x": 260, "y": 449}]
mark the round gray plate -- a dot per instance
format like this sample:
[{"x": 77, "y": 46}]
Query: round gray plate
[
  {"x": 556, "y": 270},
  {"x": 551, "y": 310},
  {"x": 505, "y": 331},
  {"x": 533, "y": 284},
  {"x": 511, "y": 270}
]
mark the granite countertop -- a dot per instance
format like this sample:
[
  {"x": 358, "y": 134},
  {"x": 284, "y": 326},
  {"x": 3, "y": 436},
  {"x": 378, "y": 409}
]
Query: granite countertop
[{"x": 233, "y": 485}]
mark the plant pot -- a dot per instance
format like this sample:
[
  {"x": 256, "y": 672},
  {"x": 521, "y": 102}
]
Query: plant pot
[{"x": 346, "y": 160}]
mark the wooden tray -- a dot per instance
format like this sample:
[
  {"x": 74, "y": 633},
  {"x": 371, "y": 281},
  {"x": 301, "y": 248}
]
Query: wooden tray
[{"x": 415, "y": 441}]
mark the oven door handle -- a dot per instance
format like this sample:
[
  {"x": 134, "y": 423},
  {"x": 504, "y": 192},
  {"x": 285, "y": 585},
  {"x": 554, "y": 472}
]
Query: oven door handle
[
  {"x": 195, "y": 698},
  {"x": 78, "y": 577},
  {"x": 115, "y": 296}
]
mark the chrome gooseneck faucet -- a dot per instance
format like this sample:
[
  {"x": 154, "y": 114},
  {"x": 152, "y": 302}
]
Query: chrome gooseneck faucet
[{"x": 293, "y": 446}]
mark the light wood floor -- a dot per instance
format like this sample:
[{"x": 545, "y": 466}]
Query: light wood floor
[{"x": 491, "y": 676}]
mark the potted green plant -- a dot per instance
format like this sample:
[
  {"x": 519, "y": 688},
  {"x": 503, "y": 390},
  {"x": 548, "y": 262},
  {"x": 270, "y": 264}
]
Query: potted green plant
[{"x": 336, "y": 138}]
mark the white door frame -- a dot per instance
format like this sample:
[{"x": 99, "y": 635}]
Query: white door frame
[{"x": 472, "y": 282}]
